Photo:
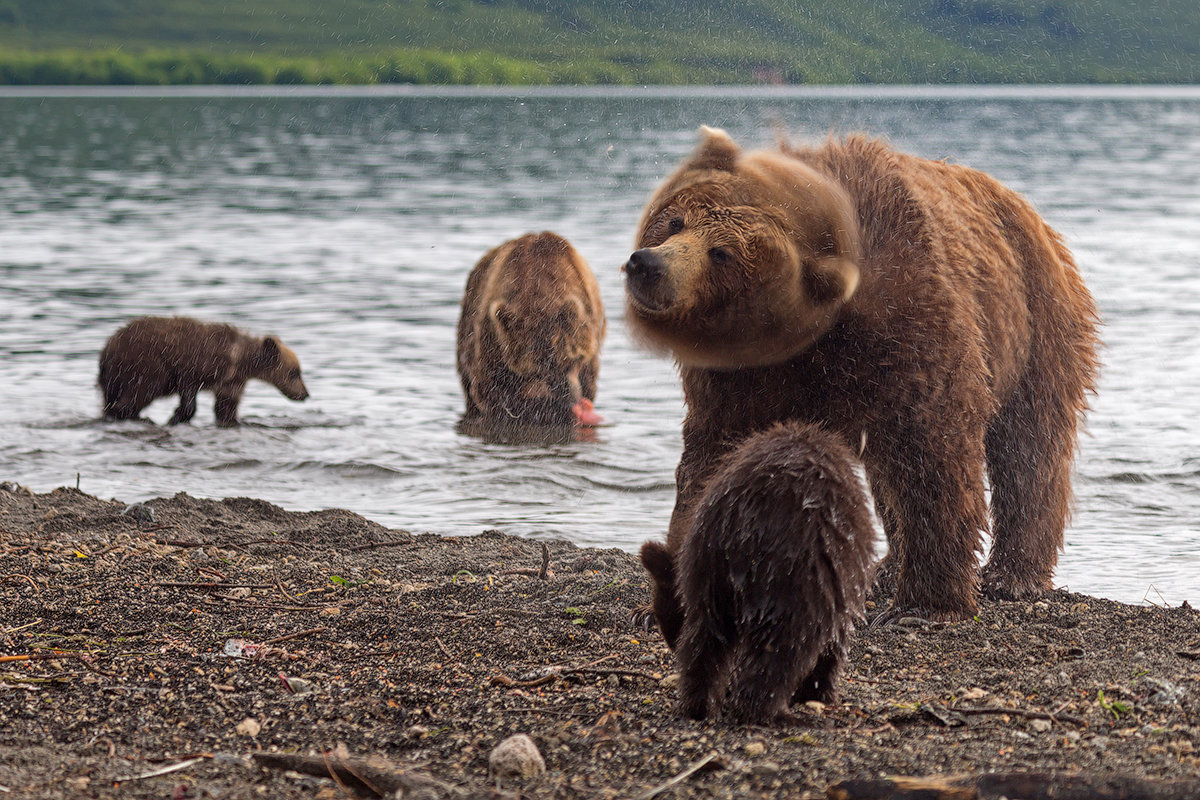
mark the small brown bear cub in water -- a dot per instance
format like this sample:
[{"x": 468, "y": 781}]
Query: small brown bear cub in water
[
  {"x": 154, "y": 357},
  {"x": 529, "y": 336},
  {"x": 772, "y": 576}
]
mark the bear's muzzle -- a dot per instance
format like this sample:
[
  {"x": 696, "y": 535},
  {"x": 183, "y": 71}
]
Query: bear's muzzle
[{"x": 645, "y": 280}]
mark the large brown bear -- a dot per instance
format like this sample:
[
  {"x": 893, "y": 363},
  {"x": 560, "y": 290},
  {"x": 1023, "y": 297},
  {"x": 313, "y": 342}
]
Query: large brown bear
[
  {"x": 529, "y": 336},
  {"x": 772, "y": 576},
  {"x": 920, "y": 309},
  {"x": 154, "y": 357}
]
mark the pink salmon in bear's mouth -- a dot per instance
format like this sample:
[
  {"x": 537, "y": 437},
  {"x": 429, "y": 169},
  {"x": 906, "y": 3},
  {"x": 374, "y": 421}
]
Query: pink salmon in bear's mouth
[{"x": 585, "y": 413}]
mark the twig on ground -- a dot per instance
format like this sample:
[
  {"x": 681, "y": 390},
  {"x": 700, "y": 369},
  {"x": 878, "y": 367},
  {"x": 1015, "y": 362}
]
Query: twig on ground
[
  {"x": 279, "y": 588},
  {"x": 681, "y": 777},
  {"x": 633, "y": 673},
  {"x": 207, "y": 585},
  {"x": 37, "y": 621},
  {"x": 36, "y": 590},
  {"x": 154, "y": 773},
  {"x": 373, "y": 545},
  {"x": 440, "y": 644}
]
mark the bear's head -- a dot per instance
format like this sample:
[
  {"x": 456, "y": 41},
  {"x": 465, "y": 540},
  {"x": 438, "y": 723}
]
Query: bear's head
[
  {"x": 743, "y": 259},
  {"x": 276, "y": 364},
  {"x": 546, "y": 319}
]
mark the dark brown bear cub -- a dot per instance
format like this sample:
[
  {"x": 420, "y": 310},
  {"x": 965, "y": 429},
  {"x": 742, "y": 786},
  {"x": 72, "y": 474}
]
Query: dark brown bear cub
[
  {"x": 529, "y": 336},
  {"x": 154, "y": 357},
  {"x": 772, "y": 575}
]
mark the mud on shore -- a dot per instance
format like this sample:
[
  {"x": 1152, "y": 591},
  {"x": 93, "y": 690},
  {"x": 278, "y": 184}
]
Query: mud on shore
[{"x": 202, "y": 632}]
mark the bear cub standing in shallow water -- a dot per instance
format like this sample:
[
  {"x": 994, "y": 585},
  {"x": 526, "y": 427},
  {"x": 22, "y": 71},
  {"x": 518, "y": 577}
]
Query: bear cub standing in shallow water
[
  {"x": 772, "y": 576},
  {"x": 529, "y": 336},
  {"x": 916, "y": 306},
  {"x": 154, "y": 357}
]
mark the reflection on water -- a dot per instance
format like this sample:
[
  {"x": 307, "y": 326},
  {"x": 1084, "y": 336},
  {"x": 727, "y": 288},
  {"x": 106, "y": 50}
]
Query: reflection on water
[{"x": 346, "y": 222}]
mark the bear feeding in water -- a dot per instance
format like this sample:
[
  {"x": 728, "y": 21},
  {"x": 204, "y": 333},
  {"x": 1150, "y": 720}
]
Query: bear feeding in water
[
  {"x": 918, "y": 307},
  {"x": 772, "y": 575},
  {"x": 529, "y": 336},
  {"x": 154, "y": 357}
]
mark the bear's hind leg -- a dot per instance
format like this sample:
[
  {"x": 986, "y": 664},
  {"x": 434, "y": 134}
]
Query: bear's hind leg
[
  {"x": 186, "y": 409},
  {"x": 821, "y": 683},
  {"x": 1030, "y": 450},
  {"x": 765, "y": 678},
  {"x": 702, "y": 660},
  {"x": 126, "y": 401}
]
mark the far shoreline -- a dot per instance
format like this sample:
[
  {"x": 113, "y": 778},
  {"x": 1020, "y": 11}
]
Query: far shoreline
[{"x": 932, "y": 91}]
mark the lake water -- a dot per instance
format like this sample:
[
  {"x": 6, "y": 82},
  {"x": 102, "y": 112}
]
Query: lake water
[{"x": 345, "y": 221}]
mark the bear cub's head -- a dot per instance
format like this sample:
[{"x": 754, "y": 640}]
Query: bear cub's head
[
  {"x": 276, "y": 364},
  {"x": 743, "y": 259}
]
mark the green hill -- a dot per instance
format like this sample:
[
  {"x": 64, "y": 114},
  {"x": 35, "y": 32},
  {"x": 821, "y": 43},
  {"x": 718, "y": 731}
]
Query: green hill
[{"x": 600, "y": 41}]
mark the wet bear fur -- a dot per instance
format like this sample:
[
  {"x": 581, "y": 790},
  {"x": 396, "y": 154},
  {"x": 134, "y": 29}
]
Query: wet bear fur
[
  {"x": 918, "y": 307},
  {"x": 154, "y": 357},
  {"x": 529, "y": 334},
  {"x": 772, "y": 576}
]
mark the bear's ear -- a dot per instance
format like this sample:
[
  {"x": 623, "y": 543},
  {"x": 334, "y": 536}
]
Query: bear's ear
[
  {"x": 716, "y": 150},
  {"x": 832, "y": 276},
  {"x": 269, "y": 355},
  {"x": 833, "y": 273},
  {"x": 502, "y": 318},
  {"x": 656, "y": 558},
  {"x": 572, "y": 314}
]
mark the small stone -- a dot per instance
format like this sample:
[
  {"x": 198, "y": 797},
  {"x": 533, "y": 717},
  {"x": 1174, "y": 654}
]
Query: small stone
[
  {"x": 249, "y": 727},
  {"x": 300, "y": 685},
  {"x": 670, "y": 682},
  {"x": 755, "y": 749},
  {"x": 814, "y": 707},
  {"x": 330, "y": 611},
  {"x": 515, "y": 757},
  {"x": 1079, "y": 608},
  {"x": 1040, "y": 725},
  {"x": 762, "y": 768}
]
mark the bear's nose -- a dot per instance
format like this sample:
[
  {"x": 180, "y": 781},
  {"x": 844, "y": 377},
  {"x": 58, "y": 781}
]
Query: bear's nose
[{"x": 644, "y": 268}]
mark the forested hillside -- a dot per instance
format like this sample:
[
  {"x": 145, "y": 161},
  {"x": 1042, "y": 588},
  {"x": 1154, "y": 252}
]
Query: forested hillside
[{"x": 600, "y": 41}]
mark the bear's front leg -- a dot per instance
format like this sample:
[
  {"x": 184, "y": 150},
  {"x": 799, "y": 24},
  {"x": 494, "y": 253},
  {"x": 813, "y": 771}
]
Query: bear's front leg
[{"x": 225, "y": 408}]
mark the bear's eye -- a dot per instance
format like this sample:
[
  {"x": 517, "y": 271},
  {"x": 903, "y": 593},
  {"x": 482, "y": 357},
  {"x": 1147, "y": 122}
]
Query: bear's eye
[
  {"x": 720, "y": 256},
  {"x": 675, "y": 225}
]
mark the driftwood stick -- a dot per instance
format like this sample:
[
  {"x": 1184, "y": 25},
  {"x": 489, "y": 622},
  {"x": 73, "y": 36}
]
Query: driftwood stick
[
  {"x": 1021, "y": 712},
  {"x": 368, "y": 777},
  {"x": 1025, "y": 785}
]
